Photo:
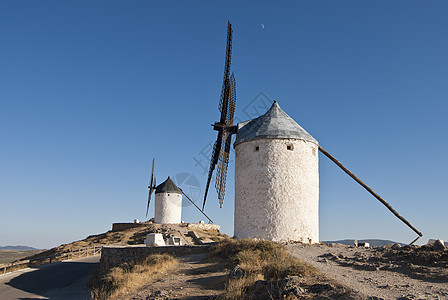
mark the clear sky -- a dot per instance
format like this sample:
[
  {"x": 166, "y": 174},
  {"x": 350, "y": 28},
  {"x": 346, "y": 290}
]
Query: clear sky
[{"x": 91, "y": 91}]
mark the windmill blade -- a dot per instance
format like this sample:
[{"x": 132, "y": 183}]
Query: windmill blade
[
  {"x": 151, "y": 190},
  {"x": 223, "y": 164},
  {"x": 149, "y": 199},
  {"x": 227, "y": 63},
  {"x": 220, "y": 160},
  {"x": 213, "y": 162},
  {"x": 224, "y": 101},
  {"x": 227, "y": 109},
  {"x": 152, "y": 183},
  {"x": 232, "y": 102}
]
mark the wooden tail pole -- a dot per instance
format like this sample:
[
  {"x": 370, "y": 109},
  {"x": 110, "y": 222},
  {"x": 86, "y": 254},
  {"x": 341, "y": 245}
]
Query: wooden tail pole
[
  {"x": 210, "y": 220},
  {"x": 415, "y": 240},
  {"x": 371, "y": 192}
]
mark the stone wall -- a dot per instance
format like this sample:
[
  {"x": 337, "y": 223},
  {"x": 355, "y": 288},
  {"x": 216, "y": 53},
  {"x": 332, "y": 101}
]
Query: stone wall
[
  {"x": 112, "y": 256},
  {"x": 203, "y": 226},
  {"x": 123, "y": 226}
]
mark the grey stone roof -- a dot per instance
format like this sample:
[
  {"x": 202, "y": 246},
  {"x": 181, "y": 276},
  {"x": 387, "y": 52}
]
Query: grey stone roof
[
  {"x": 274, "y": 124},
  {"x": 168, "y": 186}
]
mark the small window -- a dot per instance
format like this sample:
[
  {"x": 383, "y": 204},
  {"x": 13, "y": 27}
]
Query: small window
[
  {"x": 290, "y": 147},
  {"x": 257, "y": 148}
]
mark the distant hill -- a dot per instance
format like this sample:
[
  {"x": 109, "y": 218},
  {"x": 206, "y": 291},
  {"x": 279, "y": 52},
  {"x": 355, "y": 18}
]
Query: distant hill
[
  {"x": 17, "y": 248},
  {"x": 372, "y": 242}
]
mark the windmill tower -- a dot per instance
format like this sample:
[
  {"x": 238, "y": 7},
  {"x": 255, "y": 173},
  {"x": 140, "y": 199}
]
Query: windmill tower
[
  {"x": 276, "y": 180},
  {"x": 168, "y": 203}
]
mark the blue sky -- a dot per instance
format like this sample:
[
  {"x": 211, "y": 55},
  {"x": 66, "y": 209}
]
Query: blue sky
[{"x": 91, "y": 91}]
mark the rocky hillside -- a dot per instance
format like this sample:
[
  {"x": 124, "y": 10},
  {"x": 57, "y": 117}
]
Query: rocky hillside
[{"x": 134, "y": 236}]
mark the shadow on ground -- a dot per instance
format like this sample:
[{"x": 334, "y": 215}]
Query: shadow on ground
[{"x": 53, "y": 277}]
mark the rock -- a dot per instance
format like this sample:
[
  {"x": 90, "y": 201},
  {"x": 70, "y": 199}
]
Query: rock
[
  {"x": 158, "y": 295},
  {"x": 260, "y": 284},
  {"x": 375, "y": 298},
  {"x": 236, "y": 273},
  {"x": 320, "y": 287},
  {"x": 277, "y": 289},
  {"x": 438, "y": 245},
  {"x": 259, "y": 290},
  {"x": 291, "y": 286},
  {"x": 396, "y": 247},
  {"x": 329, "y": 255}
]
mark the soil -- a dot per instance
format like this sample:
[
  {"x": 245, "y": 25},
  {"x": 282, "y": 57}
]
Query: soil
[
  {"x": 387, "y": 272},
  {"x": 195, "y": 277},
  {"x": 198, "y": 276}
]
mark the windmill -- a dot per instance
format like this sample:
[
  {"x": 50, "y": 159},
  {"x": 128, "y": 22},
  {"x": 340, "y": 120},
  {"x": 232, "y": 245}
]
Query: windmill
[
  {"x": 276, "y": 171},
  {"x": 168, "y": 207},
  {"x": 225, "y": 127}
]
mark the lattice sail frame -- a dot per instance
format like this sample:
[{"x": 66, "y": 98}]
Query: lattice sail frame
[
  {"x": 221, "y": 147},
  {"x": 223, "y": 161},
  {"x": 152, "y": 186}
]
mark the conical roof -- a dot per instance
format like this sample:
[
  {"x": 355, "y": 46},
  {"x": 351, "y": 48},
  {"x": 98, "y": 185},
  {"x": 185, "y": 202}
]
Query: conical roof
[
  {"x": 274, "y": 124},
  {"x": 168, "y": 186}
]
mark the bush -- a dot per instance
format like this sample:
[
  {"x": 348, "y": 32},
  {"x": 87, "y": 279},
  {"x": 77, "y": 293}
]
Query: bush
[
  {"x": 129, "y": 276},
  {"x": 259, "y": 260}
]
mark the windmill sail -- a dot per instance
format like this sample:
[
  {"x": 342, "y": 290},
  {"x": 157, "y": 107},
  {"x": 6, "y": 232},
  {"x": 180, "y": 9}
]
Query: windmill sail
[
  {"x": 225, "y": 128},
  {"x": 151, "y": 186}
]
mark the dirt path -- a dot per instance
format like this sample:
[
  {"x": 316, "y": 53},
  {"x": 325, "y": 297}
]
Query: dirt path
[
  {"x": 386, "y": 284},
  {"x": 195, "y": 277}
]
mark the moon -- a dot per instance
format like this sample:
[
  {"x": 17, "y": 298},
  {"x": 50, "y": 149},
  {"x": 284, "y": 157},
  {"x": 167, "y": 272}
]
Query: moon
[{"x": 262, "y": 26}]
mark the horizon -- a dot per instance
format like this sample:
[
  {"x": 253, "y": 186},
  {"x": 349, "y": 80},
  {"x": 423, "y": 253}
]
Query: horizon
[
  {"x": 92, "y": 91},
  {"x": 328, "y": 241}
]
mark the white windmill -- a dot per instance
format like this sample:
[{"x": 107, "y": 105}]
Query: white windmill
[
  {"x": 168, "y": 201},
  {"x": 276, "y": 171}
]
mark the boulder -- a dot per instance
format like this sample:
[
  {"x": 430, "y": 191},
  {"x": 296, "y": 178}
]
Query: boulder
[
  {"x": 236, "y": 273},
  {"x": 438, "y": 245}
]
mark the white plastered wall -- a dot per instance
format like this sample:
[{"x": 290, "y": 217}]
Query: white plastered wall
[
  {"x": 277, "y": 190},
  {"x": 168, "y": 208}
]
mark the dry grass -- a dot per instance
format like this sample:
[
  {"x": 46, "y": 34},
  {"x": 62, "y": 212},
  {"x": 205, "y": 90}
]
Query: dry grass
[
  {"x": 129, "y": 277},
  {"x": 237, "y": 288},
  {"x": 259, "y": 260}
]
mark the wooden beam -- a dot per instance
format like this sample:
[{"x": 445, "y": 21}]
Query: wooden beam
[{"x": 389, "y": 207}]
